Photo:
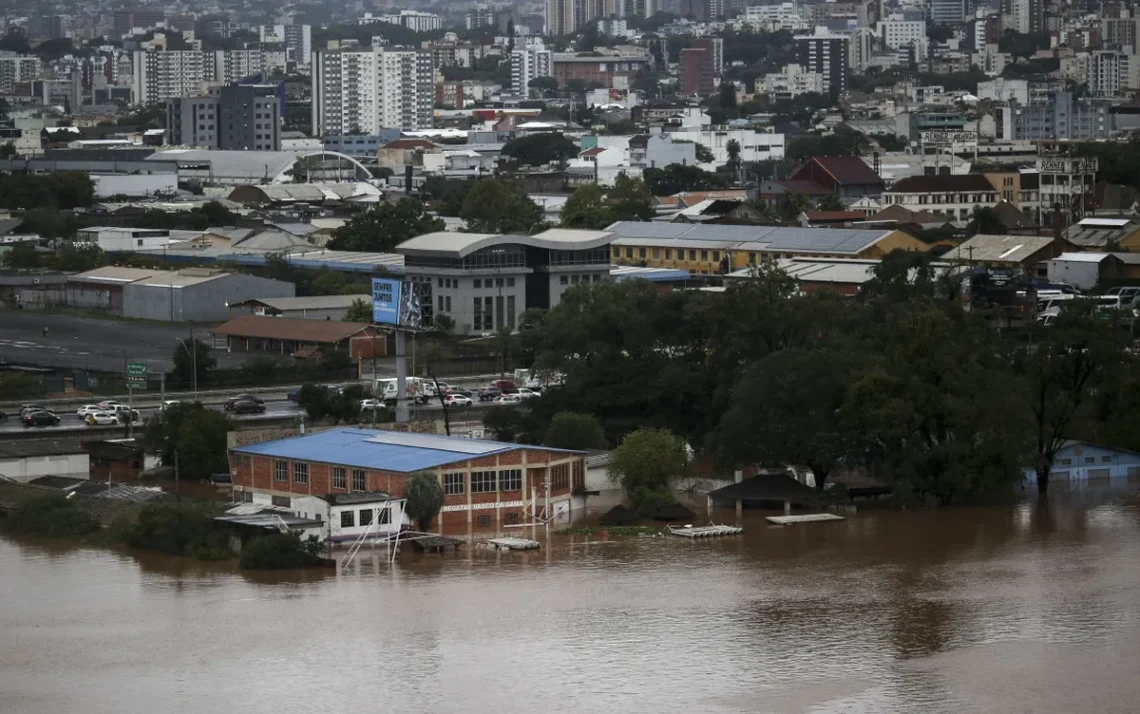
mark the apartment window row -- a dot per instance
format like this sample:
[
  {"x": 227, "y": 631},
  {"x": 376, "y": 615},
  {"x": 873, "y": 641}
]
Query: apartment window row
[
  {"x": 574, "y": 279},
  {"x": 445, "y": 303},
  {"x": 506, "y": 480},
  {"x": 642, "y": 253},
  {"x": 494, "y": 283}
]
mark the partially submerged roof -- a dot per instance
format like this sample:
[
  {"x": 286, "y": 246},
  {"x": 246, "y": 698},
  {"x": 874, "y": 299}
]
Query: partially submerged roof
[
  {"x": 999, "y": 248},
  {"x": 767, "y": 487},
  {"x": 460, "y": 245},
  {"x": 396, "y": 451},
  {"x": 25, "y": 448},
  {"x": 289, "y": 328}
]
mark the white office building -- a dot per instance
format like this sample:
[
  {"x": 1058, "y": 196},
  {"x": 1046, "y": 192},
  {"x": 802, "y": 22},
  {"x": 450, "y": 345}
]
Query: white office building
[
  {"x": 413, "y": 20},
  {"x": 161, "y": 75},
  {"x": 899, "y": 31},
  {"x": 788, "y": 16},
  {"x": 298, "y": 41},
  {"x": 369, "y": 89},
  {"x": 793, "y": 81},
  {"x": 527, "y": 65},
  {"x": 754, "y": 145},
  {"x": 17, "y": 68}
]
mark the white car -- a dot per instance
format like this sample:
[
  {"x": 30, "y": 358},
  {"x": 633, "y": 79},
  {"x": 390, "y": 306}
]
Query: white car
[
  {"x": 168, "y": 404},
  {"x": 525, "y": 393},
  {"x": 371, "y": 405},
  {"x": 83, "y": 411},
  {"x": 508, "y": 399},
  {"x": 108, "y": 404},
  {"x": 102, "y": 419},
  {"x": 457, "y": 400}
]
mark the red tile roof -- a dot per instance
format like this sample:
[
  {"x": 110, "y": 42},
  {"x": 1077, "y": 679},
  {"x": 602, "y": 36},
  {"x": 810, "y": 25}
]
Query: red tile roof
[
  {"x": 848, "y": 170},
  {"x": 592, "y": 152},
  {"x": 944, "y": 183}
]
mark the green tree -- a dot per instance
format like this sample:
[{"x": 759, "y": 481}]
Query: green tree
[
  {"x": 985, "y": 220},
  {"x": 382, "y": 228},
  {"x": 505, "y": 422},
  {"x": 727, "y": 95},
  {"x": 280, "y": 551},
  {"x": 544, "y": 85},
  {"x": 500, "y": 205},
  {"x": 831, "y": 202},
  {"x": 50, "y": 223},
  {"x": 358, "y": 311},
  {"x": 188, "y": 355},
  {"x": 789, "y": 408},
  {"x": 704, "y": 154},
  {"x": 201, "y": 444},
  {"x": 569, "y": 430},
  {"x": 790, "y": 205},
  {"x": 53, "y": 515},
  {"x": 733, "y": 164},
  {"x": 1059, "y": 372},
  {"x": 73, "y": 258},
  {"x": 647, "y": 465},
  {"x": 586, "y": 208},
  {"x": 425, "y": 498},
  {"x": 18, "y": 385},
  {"x": 216, "y": 214},
  {"x": 540, "y": 149},
  {"x": 630, "y": 200},
  {"x": 676, "y": 178},
  {"x": 177, "y": 529},
  {"x": 7, "y": 150}
]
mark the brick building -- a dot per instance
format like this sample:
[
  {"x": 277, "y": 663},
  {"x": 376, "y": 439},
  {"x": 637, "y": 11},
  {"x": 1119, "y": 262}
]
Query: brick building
[{"x": 487, "y": 484}]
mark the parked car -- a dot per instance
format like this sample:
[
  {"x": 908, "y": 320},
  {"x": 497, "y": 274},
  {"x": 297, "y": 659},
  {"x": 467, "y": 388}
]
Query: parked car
[
  {"x": 40, "y": 418},
  {"x": 246, "y": 406},
  {"x": 102, "y": 419},
  {"x": 508, "y": 399},
  {"x": 371, "y": 405},
  {"x": 83, "y": 411},
  {"x": 488, "y": 394},
  {"x": 457, "y": 400},
  {"x": 228, "y": 405},
  {"x": 525, "y": 393},
  {"x": 124, "y": 413}
]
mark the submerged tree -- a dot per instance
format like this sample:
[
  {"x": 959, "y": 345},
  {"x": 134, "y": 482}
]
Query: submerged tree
[{"x": 425, "y": 498}]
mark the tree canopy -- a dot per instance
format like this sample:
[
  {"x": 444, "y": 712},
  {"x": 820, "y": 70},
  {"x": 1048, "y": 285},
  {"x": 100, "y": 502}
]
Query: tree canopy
[
  {"x": 540, "y": 149},
  {"x": 647, "y": 465},
  {"x": 676, "y": 178},
  {"x": 500, "y": 205},
  {"x": 594, "y": 207},
  {"x": 381, "y": 228}
]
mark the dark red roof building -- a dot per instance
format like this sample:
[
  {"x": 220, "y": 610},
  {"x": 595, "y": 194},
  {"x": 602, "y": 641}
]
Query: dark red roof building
[{"x": 847, "y": 176}]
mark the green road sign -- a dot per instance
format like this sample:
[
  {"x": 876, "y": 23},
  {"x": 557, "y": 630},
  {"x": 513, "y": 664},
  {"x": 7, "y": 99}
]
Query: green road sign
[{"x": 136, "y": 375}]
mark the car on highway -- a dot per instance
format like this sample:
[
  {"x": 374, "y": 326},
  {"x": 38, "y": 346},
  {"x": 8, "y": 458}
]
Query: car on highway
[
  {"x": 489, "y": 394},
  {"x": 123, "y": 412},
  {"x": 228, "y": 405},
  {"x": 371, "y": 405},
  {"x": 168, "y": 404},
  {"x": 102, "y": 419},
  {"x": 246, "y": 406},
  {"x": 457, "y": 400},
  {"x": 508, "y": 399},
  {"x": 461, "y": 392},
  {"x": 525, "y": 393},
  {"x": 108, "y": 404},
  {"x": 506, "y": 385},
  {"x": 25, "y": 408},
  {"x": 83, "y": 411},
  {"x": 40, "y": 418}
]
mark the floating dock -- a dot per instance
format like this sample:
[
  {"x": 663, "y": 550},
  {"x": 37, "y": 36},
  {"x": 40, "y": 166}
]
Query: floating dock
[
  {"x": 710, "y": 531},
  {"x": 806, "y": 518},
  {"x": 509, "y": 543}
]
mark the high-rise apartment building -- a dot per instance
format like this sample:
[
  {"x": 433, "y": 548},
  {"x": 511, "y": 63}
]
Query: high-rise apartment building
[
  {"x": 298, "y": 41},
  {"x": 827, "y": 54},
  {"x": 561, "y": 17},
  {"x": 527, "y": 65},
  {"x": 161, "y": 75},
  {"x": 369, "y": 89},
  {"x": 17, "y": 68},
  {"x": 236, "y": 117},
  {"x": 947, "y": 12},
  {"x": 697, "y": 72},
  {"x": 232, "y": 66}
]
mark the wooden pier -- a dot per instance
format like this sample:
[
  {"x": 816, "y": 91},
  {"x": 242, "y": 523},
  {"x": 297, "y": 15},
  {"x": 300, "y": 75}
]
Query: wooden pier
[{"x": 712, "y": 530}]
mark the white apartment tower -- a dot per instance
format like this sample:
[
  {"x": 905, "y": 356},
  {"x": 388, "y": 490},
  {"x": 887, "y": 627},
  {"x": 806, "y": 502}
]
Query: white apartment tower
[
  {"x": 367, "y": 90},
  {"x": 234, "y": 65},
  {"x": 17, "y": 68},
  {"x": 161, "y": 75},
  {"x": 527, "y": 65},
  {"x": 298, "y": 41}
]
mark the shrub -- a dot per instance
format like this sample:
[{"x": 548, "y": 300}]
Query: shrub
[
  {"x": 280, "y": 551},
  {"x": 52, "y": 515},
  {"x": 178, "y": 529}
]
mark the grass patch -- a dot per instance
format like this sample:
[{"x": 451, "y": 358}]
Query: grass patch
[{"x": 612, "y": 530}]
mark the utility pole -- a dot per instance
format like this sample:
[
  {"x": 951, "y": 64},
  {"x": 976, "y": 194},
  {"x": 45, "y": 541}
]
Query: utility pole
[
  {"x": 177, "y": 490},
  {"x": 401, "y": 376},
  {"x": 194, "y": 362}
]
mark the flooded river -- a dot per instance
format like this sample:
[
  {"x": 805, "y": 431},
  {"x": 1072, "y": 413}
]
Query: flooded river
[{"x": 1010, "y": 609}]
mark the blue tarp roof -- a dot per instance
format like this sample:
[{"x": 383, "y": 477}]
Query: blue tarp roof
[{"x": 380, "y": 450}]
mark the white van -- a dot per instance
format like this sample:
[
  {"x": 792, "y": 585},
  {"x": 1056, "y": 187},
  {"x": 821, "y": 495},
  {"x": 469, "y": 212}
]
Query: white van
[{"x": 419, "y": 390}]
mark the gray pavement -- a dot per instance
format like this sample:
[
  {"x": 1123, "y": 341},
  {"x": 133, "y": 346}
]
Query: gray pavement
[{"x": 93, "y": 343}]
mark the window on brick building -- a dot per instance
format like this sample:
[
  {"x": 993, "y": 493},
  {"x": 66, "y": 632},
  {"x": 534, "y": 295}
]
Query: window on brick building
[
  {"x": 339, "y": 478},
  {"x": 483, "y": 482},
  {"x": 510, "y": 480},
  {"x": 483, "y": 521},
  {"x": 358, "y": 480},
  {"x": 347, "y": 519},
  {"x": 578, "y": 476},
  {"x": 454, "y": 484},
  {"x": 560, "y": 477},
  {"x": 300, "y": 472},
  {"x": 283, "y": 501},
  {"x": 280, "y": 471},
  {"x": 365, "y": 516}
]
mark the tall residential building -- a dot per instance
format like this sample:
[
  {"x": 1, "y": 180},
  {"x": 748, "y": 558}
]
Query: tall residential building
[
  {"x": 239, "y": 117},
  {"x": 527, "y": 65},
  {"x": 161, "y": 75},
  {"x": 1107, "y": 72},
  {"x": 414, "y": 20},
  {"x": 715, "y": 47},
  {"x": 17, "y": 68},
  {"x": 298, "y": 41},
  {"x": 696, "y": 72},
  {"x": 366, "y": 90},
  {"x": 561, "y": 18},
  {"x": 232, "y": 66},
  {"x": 947, "y": 12},
  {"x": 827, "y": 54},
  {"x": 638, "y": 8}
]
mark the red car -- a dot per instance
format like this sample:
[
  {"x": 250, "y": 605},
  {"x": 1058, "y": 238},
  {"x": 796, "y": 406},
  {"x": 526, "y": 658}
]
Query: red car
[{"x": 506, "y": 385}]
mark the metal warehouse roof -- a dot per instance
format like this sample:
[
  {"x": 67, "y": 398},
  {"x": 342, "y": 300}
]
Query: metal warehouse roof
[
  {"x": 381, "y": 450},
  {"x": 999, "y": 248},
  {"x": 115, "y": 275},
  {"x": 773, "y": 238},
  {"x": 459, "y": 245}
]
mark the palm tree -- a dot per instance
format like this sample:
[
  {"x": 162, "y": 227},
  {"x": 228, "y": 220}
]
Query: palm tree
[
  {"x": 734, "y": 159},
  {"x": 425, "y": 498}
]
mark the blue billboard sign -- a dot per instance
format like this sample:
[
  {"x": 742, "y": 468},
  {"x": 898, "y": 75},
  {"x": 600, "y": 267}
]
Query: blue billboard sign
[{"x": 386, "y": 301}]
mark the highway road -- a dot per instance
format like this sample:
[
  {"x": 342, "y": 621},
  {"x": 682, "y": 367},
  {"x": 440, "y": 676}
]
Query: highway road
[{"x": 69, "y": 422}]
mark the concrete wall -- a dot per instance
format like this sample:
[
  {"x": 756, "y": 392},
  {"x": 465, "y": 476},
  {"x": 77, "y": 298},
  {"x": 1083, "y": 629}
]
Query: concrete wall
[
  {"x": 202, "y": 302},
  {"x": 96, "y": 296},
  {"x": 25, "y": 469},
  {"x": 107, "y": 185}
]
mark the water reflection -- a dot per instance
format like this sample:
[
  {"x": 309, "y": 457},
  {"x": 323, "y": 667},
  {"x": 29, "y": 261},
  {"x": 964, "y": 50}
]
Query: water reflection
[{"x": 946, "y": 611}]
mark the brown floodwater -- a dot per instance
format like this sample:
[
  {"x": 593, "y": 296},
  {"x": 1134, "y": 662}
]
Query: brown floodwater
[{"x": 1020, "y": 608}]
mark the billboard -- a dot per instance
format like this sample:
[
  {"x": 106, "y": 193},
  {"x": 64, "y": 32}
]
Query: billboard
[{"x": 402, "y": 303}]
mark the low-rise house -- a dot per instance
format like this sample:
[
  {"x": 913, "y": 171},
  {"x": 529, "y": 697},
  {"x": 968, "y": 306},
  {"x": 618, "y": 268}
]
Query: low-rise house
[
  {"x": 26, "y": 460},
  {"x": 953, "y": 195},
  {"x": 486, "y": 484},
  {"x": 1105, "y": 234},
  {"x": 845, "y": 176},
  {"x": 1081, "y": 462},
  {"x": 844, "y": 276},
  {"x": 1022, "y": 254},
  {"x": 318, "y": 307},
  {"x": 719, "y": 210},
  {"x": 293, "y": 336},
  {"x": 1090, "y": 270}
]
